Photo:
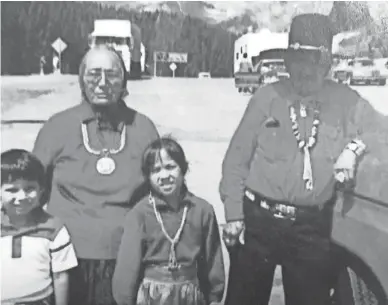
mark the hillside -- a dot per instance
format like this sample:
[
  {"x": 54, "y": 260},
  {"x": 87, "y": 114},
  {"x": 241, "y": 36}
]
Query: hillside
[{"x": 236, "y": 16}]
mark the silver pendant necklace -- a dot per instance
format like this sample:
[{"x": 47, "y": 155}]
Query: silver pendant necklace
[{"x": 105, "y": 164}]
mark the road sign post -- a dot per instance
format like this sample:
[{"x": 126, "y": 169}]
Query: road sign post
[
  {"x": 59, "y": 45},
  {"x": 173, "y": 68},
  {"x": 171, "y": 57},
  {"x": 155, "y": 64}
]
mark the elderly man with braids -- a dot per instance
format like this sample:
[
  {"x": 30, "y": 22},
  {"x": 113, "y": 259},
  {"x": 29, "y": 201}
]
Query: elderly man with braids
[
  {"x": 93, "y": 152},
  {"x": 297, "y": 138}
]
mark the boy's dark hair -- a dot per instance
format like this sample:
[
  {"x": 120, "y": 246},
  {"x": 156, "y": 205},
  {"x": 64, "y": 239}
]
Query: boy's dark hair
[
  {"x": 21, "y": 164},
  {"x": 171, "y": 146}
]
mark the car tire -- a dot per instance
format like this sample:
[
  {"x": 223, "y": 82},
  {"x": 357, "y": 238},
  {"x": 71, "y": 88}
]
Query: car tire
[
  {"x": 382, "y": 82},
  {"x": 352, "y": 289}
]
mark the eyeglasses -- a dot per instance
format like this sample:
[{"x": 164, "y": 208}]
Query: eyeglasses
[{"x": 108, "y": 73}]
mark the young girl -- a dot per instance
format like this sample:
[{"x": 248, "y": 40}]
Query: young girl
[{"x": 171, "y": 249}]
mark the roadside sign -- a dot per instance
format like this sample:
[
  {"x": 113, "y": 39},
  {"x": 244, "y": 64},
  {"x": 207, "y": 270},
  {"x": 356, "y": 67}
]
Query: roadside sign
[
  {"x": 171, "y": 57},
  {"x": 59, "y": 45},
  {"x": 177, "y": 57},
  {"x": 161, "y": 56},
  {"x": 173, "y": 67}
]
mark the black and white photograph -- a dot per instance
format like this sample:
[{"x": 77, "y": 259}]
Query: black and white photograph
[{"x": 194, "y": 153}]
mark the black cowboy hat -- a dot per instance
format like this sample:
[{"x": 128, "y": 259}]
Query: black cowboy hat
[{"x": 311, "y": 33}]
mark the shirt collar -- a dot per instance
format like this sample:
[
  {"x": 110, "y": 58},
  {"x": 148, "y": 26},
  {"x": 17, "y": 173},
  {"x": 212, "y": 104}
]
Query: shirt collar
[
  {"x": 186, "y": 200},
  {"x": 289, "y": 94},
  {"x": 7, "y": 228},
  {"x": 126, "y": 114}
]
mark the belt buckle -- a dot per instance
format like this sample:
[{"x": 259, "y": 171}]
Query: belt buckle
[
  {"x": 279, "y": 210},
  {"x": 283, "y": 211}
]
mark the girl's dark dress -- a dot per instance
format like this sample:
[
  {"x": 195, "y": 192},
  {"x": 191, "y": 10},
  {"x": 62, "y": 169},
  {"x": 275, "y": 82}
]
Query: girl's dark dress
[{"x": 142, "y": 275}]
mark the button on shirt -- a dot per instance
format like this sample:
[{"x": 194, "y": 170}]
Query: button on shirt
[
  {"x": 265, "y": 157},
  {"x": 144, "y": 244},
  {"x": 93, "y": 205}
]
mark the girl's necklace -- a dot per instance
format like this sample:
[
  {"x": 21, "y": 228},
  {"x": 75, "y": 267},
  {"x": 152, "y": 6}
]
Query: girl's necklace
[{"x": 172, "y": 260}]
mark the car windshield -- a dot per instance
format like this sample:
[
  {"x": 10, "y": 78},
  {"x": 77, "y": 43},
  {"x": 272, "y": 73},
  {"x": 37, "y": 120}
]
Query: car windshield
[
  {"x": 363, "y": 63},
  {"x": 112, "y": 40},
  {"x": 274, "y": 65}
]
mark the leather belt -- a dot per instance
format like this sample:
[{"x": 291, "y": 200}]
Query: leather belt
[{"x": 278, "y": 209}]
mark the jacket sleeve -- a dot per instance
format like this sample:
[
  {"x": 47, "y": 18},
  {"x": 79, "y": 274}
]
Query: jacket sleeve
[
  {"x": 211, "y": 263},
  {"x": 236, "y": 164},
  {"x": 129, "y": 261},
  {"x": 365, "y": 123}
]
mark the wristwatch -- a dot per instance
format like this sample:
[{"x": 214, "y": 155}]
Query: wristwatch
[{"x": 356, "y": 146}]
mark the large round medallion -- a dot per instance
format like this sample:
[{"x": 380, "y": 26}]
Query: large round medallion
[{"x": 105, "y": 165}]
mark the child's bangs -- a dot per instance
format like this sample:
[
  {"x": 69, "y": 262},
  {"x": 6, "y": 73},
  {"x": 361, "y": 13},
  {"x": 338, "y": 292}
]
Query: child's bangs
[
  {"x": 172, "y": 148},
  {"x": 18, "y": 164},
  {"x": 10, "y": 175},
  {"x": 151, "y": 156}
]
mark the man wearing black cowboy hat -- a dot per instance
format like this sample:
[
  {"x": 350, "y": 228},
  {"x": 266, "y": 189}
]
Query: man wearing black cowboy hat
[{"x": 297, "y": 138}]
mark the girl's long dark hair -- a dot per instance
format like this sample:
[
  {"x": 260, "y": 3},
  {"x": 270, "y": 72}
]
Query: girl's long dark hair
[
  {"x": 151, "y": 155},
  {"x": 173, "y": 149}
]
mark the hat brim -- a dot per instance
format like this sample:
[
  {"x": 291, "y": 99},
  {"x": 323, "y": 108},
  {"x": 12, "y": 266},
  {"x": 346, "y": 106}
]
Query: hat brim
[{"x": 310, "y": 56}]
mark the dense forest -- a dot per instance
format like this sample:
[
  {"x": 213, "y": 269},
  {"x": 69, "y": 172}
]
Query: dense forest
[{"x": 29, "y": 28}]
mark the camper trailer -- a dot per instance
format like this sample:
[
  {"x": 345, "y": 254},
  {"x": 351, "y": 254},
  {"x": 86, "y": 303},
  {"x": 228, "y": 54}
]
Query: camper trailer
[{"x": 125, "y": 38}]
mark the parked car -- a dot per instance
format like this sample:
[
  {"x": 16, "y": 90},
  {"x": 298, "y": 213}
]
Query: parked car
[
  {"x": 359, "y": 70},
  {"x": 271, "y": 70},
  {"x": 204, "y": 75},
  {"x": 268, "y": 67},
  {"x": 360, "y": 234}
]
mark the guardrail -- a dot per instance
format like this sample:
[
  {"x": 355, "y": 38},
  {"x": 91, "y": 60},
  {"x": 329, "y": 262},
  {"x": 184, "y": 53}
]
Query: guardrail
[{"x": 10, "y": 122}]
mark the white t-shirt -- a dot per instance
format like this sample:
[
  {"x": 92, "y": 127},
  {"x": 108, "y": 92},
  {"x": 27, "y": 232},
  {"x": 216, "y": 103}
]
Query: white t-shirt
[{"x": 30, "y": 255}]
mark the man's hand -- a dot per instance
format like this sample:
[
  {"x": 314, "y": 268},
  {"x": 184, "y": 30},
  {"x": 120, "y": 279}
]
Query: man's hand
[
  {"x": 232, "y": 232},
  {"x": 345, "y": 165}
]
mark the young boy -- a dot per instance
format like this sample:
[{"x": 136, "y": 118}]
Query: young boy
[{"x": 36, "y": 251}]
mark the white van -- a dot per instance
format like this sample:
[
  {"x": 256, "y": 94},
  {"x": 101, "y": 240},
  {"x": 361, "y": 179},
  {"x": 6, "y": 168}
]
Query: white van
[{"x": 204, "y": 75}]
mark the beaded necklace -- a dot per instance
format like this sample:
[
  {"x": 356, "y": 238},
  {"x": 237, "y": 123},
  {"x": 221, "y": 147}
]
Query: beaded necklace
[
  {"x": 305, "y": 145},
  {"x": 105, "y": 164},
  {"x": 172, "y": 260}
]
